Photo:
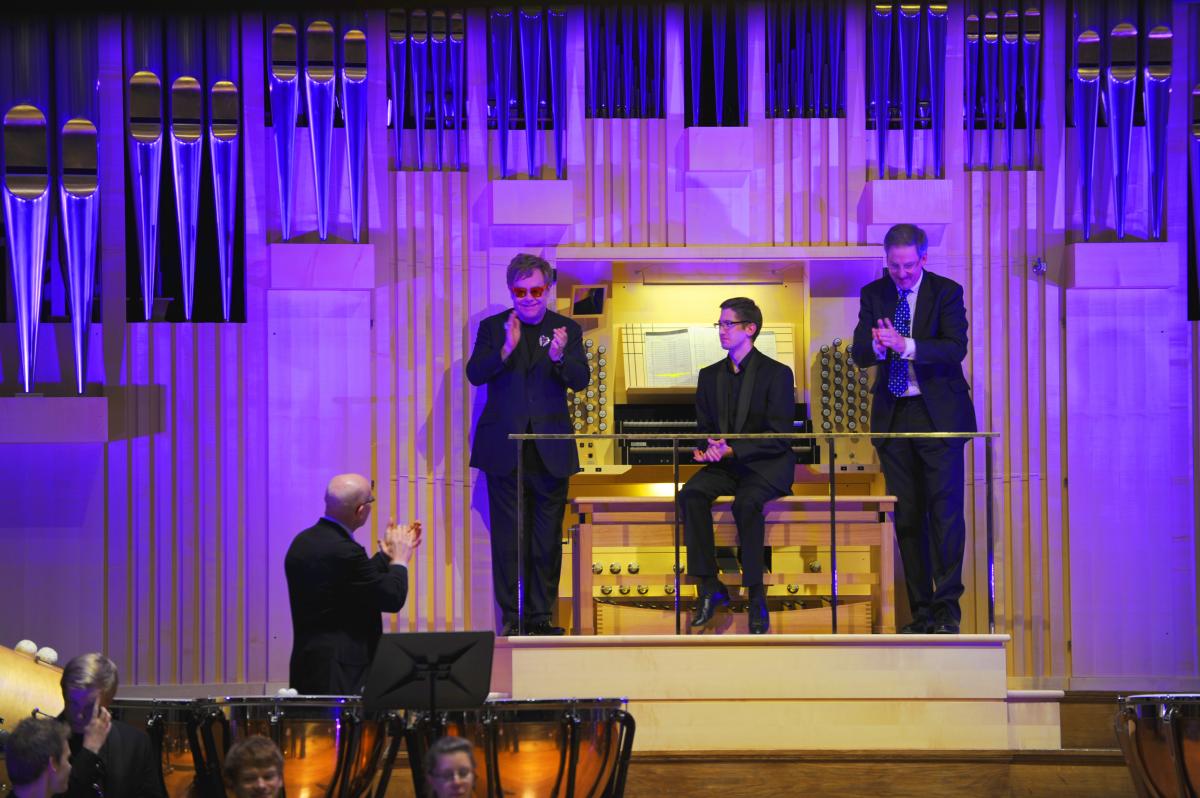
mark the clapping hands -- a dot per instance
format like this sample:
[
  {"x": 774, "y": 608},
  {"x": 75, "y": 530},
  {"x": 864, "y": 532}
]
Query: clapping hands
[{"x": 400, "y": 542}]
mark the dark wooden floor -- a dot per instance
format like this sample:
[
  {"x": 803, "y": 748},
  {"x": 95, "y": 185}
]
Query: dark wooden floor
[{"x": 983, "y": 774}]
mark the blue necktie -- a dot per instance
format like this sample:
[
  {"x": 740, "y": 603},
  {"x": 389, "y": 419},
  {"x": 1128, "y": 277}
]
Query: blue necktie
[{"x": 898, "y": 366}]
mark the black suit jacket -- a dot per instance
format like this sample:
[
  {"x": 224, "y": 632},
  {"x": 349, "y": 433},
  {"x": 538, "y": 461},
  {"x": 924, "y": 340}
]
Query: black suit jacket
[
  {"x": 525, "y": 391},
  {"x": 939, "y": 329},
  {"x": 337, "y": 594},
  {"x": 766, "y": 403},
  {"x": 126, "y": 765}
]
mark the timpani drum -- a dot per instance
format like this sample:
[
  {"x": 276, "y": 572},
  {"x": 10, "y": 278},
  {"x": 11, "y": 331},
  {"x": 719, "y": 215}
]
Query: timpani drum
[
  {"x": 1160, "y": 737},
  {"x": 171, "y": 726},
  {"x": 330, "y": 748},
  {"x": 574, "y": 748}
]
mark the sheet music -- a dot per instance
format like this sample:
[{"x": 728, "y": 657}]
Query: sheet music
[{"x": 669, "y": 359}]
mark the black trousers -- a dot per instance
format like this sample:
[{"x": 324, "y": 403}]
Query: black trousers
[
  {"x": 750, "y": 492},
  {"x": 926, "y": 477},
  {"x": 545, "y": 502}
]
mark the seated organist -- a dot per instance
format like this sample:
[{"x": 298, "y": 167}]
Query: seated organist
[
  {"x": 747, "y": 392},
  {"x": 337, "y": 592}
]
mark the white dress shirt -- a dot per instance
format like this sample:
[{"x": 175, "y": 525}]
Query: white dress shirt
[{"x": 910, "y": 346}]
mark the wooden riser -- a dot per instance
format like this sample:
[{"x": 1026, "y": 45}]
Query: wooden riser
[{"x": 791, "y": 692}]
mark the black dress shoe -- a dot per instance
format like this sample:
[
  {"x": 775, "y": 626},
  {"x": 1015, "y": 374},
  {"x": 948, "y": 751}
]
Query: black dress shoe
[
  {"x": 544, "y": 629},
  {"x": 708, "y": 604},
  {"x": 945, "y": 629},
  {"x": 509, "y": 630},
  {"x": 918, "y": 626},
  {"x": 760, "y": 619}
]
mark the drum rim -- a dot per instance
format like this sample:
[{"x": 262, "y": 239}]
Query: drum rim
[{"x": 1162, "y": 698}]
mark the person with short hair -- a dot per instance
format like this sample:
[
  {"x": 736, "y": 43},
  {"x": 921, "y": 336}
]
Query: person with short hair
[
  {"x": 527, "y": 356},
  {"x": 337, "y": 593},
  {"x": 912, "y": 327},
  {"x": 38, "y": 758},
  {"x": 450, "y": 768},
  {"x": 254, "y": 768},
  {"x": 108, "y": 757},
  {"x": 746, "y": 392}
]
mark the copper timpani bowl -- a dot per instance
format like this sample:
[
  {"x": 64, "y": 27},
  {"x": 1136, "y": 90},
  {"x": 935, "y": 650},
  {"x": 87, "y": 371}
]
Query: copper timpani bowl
[
  {"x": 1160, "y": 737},
  {"x": 330, "y": 746},
  {"x": 539, "y": 747}
]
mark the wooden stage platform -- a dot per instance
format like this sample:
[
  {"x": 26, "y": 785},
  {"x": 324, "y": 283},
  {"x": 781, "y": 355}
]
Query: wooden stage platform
[{"x": 792, "y": 692}]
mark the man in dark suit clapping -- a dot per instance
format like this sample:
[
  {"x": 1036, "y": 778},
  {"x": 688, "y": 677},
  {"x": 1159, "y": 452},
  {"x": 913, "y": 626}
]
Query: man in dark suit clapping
[
  {"x": 527, "y": 357},
  {"x": 912, "y": 325},
  {"x": 337, "y": 592},
  {"x": 746, "y": 392}
]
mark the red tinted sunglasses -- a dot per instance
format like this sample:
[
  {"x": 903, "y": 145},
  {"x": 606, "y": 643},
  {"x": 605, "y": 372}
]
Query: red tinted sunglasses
[{"x": 536, "y": 292}]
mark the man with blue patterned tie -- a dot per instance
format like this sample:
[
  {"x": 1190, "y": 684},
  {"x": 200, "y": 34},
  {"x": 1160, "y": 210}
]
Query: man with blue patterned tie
[{"x": 912, "y": 324}]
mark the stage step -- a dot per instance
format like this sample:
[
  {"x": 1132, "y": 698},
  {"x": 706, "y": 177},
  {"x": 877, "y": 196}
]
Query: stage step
[{"x": 792, "y": 692}]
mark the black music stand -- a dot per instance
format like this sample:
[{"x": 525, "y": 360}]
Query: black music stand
[
  {"x": 427, "y": 671},
  {"x": 430, "y": 671}
]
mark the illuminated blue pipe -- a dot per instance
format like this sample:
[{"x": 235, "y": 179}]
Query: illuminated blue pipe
[
  {"x": 973, "y": 37},
  {"x": 187, "y": 150},
  {"x": 223, "y": 132},
  {"x": 145, "y": 165},
  {"x": 398, "y": 63},
  {"x": 1010, "y": 40},
  {"x": 739, "y": 41},
  {"x": 836, "y": 24},
  {"x": 817, "y": 45},
  {"x": 501, "y": 29},
  {"x": 937, "y": 84},
  {"x": 881, "y": 40},
  {"x": 695, "y": 22},
  {"x": 530, "y": 31},
  {"x": 26, "y": 208},
  {"x": 1032, "y": 48},
  {"x": 283, "y": 82},
  {"x": 437, "y": 52},
  {"x": 457, "y": 67},
  {"x": 1122, "y": 85},
  {"x": 797, "y": 74},
  {"x": 354, "y": 109},
  {"x": 1087, "y": 107},
  {"x": 419, "y": 43},
  {"x": 910, "y": 45},
  {"x": 557, "y": 24},
  {"x": 80, "y": 206},
  {"x": 718, "y": 39},
  {"x": 318, "y": 90},
  {"x": 628, "y": 94},
  {"x": 991, "y": 51},
  {"x": 1156, "y": 100}
]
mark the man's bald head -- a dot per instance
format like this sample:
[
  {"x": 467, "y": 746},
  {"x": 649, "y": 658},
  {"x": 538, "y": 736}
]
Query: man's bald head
[{"x": 348, "y": 499}]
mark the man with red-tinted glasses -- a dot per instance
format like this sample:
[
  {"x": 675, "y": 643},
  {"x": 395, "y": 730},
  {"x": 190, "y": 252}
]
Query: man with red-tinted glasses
[{"x": 527, "y": 357}]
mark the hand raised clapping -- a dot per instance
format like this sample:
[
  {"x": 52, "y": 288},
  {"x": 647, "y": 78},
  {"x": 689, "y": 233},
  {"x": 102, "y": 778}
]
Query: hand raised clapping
[
  {"x": 558, "y": 344},
  {"x": 400, "y": 542},
  {"x": 886, "y": 336}
]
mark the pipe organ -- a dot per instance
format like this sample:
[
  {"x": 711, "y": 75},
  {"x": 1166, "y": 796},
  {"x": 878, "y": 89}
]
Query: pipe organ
[{"x": 384, "y": 164}]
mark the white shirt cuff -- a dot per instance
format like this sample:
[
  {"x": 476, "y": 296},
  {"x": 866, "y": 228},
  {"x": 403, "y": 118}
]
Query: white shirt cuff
[{"x": 910, "y": 349}]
